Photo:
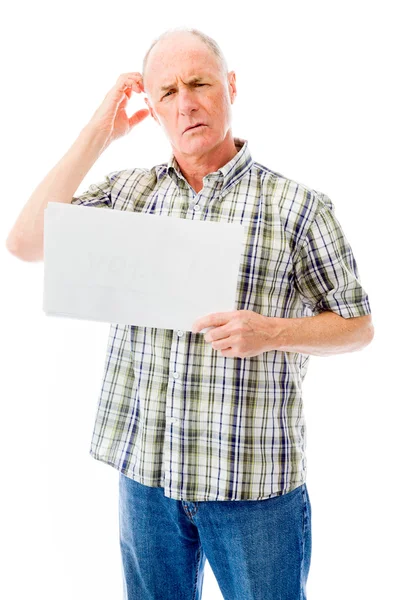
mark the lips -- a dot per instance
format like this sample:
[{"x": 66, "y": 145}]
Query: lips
[{"x": 193, "y": 126}]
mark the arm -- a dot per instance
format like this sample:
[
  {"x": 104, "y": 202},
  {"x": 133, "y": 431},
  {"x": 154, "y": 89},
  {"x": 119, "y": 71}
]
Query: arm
[
  {"x": 325, "y": 334},
  {"x": 327, "y": 280},
  {"x": 25, "y": 240},
  {"x": 326, "y": 277},
  {"x": 108, "y": 123}
]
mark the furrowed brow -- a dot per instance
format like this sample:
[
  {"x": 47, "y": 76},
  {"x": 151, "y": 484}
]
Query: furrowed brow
[{"x": 164, "y": 88}]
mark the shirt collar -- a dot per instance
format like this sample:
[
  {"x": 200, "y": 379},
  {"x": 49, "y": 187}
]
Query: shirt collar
[{"x": 225, "y": 175}]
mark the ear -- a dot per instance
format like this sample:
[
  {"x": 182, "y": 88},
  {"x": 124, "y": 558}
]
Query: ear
[
  {"x": 232, "y": 85},
  {"x": 153, "y": 114}
]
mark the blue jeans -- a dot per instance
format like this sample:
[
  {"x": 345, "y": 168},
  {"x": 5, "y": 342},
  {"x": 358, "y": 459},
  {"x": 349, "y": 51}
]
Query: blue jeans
[{"x": 257, "y": 549}]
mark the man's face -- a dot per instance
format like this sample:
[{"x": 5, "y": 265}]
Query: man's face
[{"x": 176, "y": 100}]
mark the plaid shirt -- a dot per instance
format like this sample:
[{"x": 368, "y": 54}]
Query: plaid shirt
[{"x": 172, "y": 411}]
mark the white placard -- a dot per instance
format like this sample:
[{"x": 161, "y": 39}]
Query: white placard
[{"x": 138, "y": 269}]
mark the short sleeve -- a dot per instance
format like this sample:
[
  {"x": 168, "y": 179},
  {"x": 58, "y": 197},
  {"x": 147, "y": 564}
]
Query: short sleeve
[
  {"x": 326, "y": 272},
  {"x": 98, "y": 194}
]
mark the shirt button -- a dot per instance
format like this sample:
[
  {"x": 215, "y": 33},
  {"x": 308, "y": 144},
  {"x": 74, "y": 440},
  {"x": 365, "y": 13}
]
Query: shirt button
[
  {"x": 175, "y": 375},
  {"x": 196, "y": 207},
  {"x": 179, "y": 333},
  {"x": 92, "y": 188}
]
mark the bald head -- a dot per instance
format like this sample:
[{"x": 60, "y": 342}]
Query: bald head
[{"x": 172, "y": 48}]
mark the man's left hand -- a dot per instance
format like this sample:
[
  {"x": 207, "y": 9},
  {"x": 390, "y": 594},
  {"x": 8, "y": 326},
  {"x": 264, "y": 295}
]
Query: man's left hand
[{"x": 241, "y": 333}]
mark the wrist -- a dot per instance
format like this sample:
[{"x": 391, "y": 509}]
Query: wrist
[
  {"x": 97, "y": 139},
  {"x": 289, "y": 333}
]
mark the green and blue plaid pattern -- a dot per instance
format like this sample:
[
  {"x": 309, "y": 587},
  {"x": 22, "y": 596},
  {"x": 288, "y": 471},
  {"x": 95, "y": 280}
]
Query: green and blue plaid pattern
[{"x": 172, "y": 411}]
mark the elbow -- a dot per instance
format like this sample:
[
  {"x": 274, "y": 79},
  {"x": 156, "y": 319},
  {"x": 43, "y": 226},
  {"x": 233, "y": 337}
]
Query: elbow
[
  {"x": 11, "y": 247},
  {"x": 369, "y": 335},
  {"x": 364, "y": 330},
  {"x": 24, "y": 256}
]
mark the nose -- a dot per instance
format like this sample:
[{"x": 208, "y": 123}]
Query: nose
[{"x": 187, "y": 101}]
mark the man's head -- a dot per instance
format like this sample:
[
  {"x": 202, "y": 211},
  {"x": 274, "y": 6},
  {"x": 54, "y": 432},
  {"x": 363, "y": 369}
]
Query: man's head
[{"x": 176, "y": 101}]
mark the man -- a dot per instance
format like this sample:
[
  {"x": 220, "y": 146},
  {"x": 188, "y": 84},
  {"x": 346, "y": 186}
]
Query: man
[{"x": 207, "y": 430}]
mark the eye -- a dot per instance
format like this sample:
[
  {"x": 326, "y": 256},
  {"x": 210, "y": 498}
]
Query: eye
[{"x": 199, "y": 84}]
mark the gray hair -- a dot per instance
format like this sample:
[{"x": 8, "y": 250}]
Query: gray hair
[{"x": 210, "y": 43}]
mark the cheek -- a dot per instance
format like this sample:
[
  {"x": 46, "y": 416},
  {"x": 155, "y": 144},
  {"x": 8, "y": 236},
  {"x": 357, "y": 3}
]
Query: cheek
[{"x": 221, "y": 103}]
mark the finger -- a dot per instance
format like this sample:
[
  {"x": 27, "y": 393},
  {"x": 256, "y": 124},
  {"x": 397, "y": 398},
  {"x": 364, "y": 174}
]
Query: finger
[
  {"x": 132, "y": 78},
  {"x": 206, "y": 329},
  {"x": 138, "y": 116},
  {"x": 131, "y": 85}
]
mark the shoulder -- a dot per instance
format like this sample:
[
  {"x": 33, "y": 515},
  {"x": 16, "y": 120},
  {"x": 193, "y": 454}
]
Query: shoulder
[
  {"x": 292, "y": 197},
  {"x": 131, "y": 176},
  {"x": 130, "y": 184},
  {"x": 292, "y": 205}
]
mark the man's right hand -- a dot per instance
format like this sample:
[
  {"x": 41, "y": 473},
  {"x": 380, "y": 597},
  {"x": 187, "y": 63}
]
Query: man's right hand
[{"x": 111, "y": 118}]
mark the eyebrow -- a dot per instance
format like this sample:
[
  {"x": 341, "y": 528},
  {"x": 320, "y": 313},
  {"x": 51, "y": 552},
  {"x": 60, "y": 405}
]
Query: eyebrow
[{"x": 164, "y": 88}]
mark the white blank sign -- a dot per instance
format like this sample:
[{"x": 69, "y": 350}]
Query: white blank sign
[{"x": 138, "y": 269}]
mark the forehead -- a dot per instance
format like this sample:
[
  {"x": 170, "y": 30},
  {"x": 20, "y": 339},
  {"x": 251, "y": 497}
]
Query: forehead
[{"x": 186, "y": 59}]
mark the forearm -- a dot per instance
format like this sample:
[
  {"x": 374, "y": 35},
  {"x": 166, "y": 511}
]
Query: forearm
[
  {"x": 324, "y": 335},
  {"x": 26, "y": 237}
]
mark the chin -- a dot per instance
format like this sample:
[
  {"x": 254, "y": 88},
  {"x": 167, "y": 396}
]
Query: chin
[
  {"x": 197, "y": 138},
  {"x": 198, "y": 145}
]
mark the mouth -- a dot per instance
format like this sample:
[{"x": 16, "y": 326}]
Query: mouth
[{"x": 198, "y": 126}]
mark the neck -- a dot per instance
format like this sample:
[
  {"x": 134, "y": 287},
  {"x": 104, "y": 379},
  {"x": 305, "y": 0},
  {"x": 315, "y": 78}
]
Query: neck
[{"x": 195, "y": 167}]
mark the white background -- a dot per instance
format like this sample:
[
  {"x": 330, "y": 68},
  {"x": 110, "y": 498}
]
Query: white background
[{"x": 318, "y": 102}]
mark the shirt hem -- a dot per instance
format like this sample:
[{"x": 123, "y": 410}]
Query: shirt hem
[{"x": 152, "y": 483}]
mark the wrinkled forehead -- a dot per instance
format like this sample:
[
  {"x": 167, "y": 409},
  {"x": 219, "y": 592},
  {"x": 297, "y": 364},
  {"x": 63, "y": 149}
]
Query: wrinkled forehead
[
  {"x": 188, "y": 63},
  {"x": 201, "y": 76}
]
